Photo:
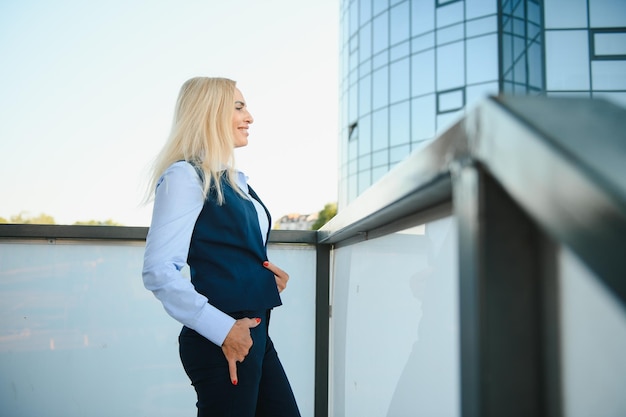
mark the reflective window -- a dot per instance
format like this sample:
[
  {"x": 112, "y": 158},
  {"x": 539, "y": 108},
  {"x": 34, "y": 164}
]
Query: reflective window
[
  {"x": 607, "y": 44},
  {"x": 365, "y": 10},
  {"x": 449, "y": 14},
  {"x": 423, "y": 42},
  {"x": 482, "y": 59},
  {"x": 446, "y": 120},
  {"x": 379, "y": 6},
  {"x": 365, "y": 68},
  {"x": 381, "y": 32},
  {"x": 352, "y": 187},
  {"x": 380, "y": 158},
  {"x": 480, "y": 8},
  {"x": 365, "y": 135},
  {"x": 381, "y": 88},
  {"x": 365, "y": 42},
  {"x": 380, "y": 129},
  {"x": 423, "y": 73},
  {"x": 450, "y": 34},
  {"x": 534, "y": 13},
  {"x": 535, "y": 66},
  {"x": 399, "y": 153},
  {"x": 607, "y": 13},
  {"x": 565, "y": 13},
  {"x": 422, "y": 118},
  {"x": 399, "y": 124},
  {"x": 399, "y": 80},
  {"x": 365, "y": 180},
  {"x": 382, "y": 59},
  {"x": 353, "y": 105},
  {"x": 475, "y": 93},
  {"x": 365, "y": 163},
  {"x": 354, "y": 18},
  {"x": 378, "y": 173},
  {"x": 400, "y": 23},
  {"x": 450, "y": 66},
  {"x": 422, "y": 16},
  {"x": 365, "y": 95},
  {"x": 400, "y": 51},
  {"x": 448, "y": 101},
  {"x": 353, "y": 150},
  {"x": 481, "y": 26},
  {"x": 609, "y": 75},
  {"x": 567, "y": 68}
]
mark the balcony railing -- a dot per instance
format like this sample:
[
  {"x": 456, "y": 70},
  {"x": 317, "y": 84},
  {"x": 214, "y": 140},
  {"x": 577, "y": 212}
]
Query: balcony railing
[{"x": 483, "y": 276}]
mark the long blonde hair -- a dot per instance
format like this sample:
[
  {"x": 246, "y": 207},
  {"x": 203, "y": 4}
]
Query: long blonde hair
[{"x": 201, "y": 134}]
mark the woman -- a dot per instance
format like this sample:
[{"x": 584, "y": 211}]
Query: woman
[{"x": 206, "y": 216}]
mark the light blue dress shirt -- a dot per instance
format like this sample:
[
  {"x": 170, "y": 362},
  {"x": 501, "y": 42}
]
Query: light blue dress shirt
[{"x": 178, "y": 202}]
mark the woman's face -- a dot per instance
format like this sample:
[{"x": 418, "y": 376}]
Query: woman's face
[{"x": 241, "y": 120}]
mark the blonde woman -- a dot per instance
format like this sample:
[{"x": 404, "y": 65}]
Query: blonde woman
[{"x": 207, "y": 216}]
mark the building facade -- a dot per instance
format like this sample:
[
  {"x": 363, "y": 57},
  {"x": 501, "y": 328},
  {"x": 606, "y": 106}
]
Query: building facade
[{"x": 410, "y": 68}]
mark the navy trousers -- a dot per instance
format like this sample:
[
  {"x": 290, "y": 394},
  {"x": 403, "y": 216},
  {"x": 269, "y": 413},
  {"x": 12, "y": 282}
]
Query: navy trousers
[{"x": 262, "y": 390}]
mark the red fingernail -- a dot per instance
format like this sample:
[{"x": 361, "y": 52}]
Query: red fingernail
[
  {"x": 258, "y": 320},
  {"x": 234, "y": 382},
  {"x": 266, "y": 263}
]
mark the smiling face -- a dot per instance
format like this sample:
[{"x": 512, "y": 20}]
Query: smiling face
[{"x": 241, "y": 120}]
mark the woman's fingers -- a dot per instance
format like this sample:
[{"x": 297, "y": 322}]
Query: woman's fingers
[
  {"x": 237, "y": 344},
  {"x": 281, "y": 276}
]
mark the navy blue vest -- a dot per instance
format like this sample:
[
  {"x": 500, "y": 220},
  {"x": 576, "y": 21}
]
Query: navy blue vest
[{"x": 226, "y": 255}]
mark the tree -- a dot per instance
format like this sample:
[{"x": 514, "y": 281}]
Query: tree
[
  {"x": 3, "y": 220},
  {"x": 328, "y": 212},
  {"x": 108, "y": 222},
  {"x": 23, "y": 219}
]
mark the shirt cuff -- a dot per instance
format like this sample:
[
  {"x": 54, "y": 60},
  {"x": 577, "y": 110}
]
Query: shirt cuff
[{"x": 214, "y": 324}]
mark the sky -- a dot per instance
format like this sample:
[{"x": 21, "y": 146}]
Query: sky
[{"x": 87, "y": 92}]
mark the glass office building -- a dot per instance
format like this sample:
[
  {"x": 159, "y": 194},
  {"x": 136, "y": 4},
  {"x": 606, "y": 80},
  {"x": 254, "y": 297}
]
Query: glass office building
[{"x": 409, "y": 68}]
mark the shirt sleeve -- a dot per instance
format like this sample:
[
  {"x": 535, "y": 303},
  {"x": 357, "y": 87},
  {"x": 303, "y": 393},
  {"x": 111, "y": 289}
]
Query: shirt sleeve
[{"x": 177, "y": 204}]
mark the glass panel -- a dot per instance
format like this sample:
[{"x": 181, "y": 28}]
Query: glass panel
[
  {"x": 475, "y": 93},
  {"x": 399, "y": 124},
  {"x": 450, "y": 14},
  {"x": 353, "y": 106},
  {"x": 400, "y": 27},
  {"x": 450, "y": 34},
  {"x": 450, "y": 66},
  {"x": 423, "y": 42},
  {"x": 609, "y": 75},
  {"x": 478, "y": 27},
  {"x": 399, "y": 80},
  {"x": 423, "y": 73},
  {"x": 354, "y": 17},
  {"x": 381, "y": 59},
  {"x": 365, "y": 42},
  {"x": 352, "y": 187},
  {"x": 365, "y": 68},
  {"x": 379, "y": 6},
  {"x": 400, "y": 51},
  {"x": 451, "y": 100},
  {"x": 534, "y": 13},
  {"x": 365, "y": 180},
  {"x": 399, "y": 153},
  {"x": 565, "y": 13},
  {"x": 446, "y": 120},
  {"x": 607, "y": 13},
  {"x": 593, "y": 334},
  {"x": 609, "y": 43},
  {"x": 365, "y": 95},
  {"x": 365, "y": 10},
  {"x": 423, "y": 112},
  {"x": 420, "y": 374},
  {"x": 477, "y": 8},
  {"x": 380, "y": 158},
  {"x": 381, "y": 88},
  {"x": 535, "y": 68},
  {"x": 80, "y": 332},
  {"x": 365, "y": 163},
  {"x": 381, "y": 32},
  {"x": 482, "y": 59},
  {"x": 380, "y": 129},
  {"x": 365, "y": 135},
  {"x": 422, "y": 16},
  {"x": 353, "y": 146},
  {"x": 378, "y": 173},
  {"x": 567, "y": 60}
]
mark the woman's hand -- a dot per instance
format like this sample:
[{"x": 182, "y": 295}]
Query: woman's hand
[
  {"x": 237, "y": 344},
  {"x": 281, "y": 276}
]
